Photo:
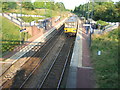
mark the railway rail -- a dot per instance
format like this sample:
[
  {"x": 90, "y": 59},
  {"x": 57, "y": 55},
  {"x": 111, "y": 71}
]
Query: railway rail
[
  {"x": 55, "y": 74},
  {"x": 34, "y": 62},
  {"x": 23, "y": 84}
]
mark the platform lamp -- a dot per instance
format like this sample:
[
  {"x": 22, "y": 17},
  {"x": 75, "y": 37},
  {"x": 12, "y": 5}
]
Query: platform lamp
[{"x": 91, "y": 29}]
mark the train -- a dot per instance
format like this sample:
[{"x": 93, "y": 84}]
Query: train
[{"x": 71, "y": 26}]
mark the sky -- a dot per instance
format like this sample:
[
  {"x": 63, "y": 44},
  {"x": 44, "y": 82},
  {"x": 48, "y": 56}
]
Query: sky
[{"x": 70, "y": 4}]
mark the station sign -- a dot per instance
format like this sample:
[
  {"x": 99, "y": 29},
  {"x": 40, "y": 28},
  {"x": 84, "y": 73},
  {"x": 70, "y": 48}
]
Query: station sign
[{"x": 86, "y": 24}]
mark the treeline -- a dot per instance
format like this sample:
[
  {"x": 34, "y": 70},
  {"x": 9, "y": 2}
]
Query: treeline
[
  {"x": 50, "y": 5},
  {"x": 106, "y": 11},
  {"x": 31, "y": 6}
]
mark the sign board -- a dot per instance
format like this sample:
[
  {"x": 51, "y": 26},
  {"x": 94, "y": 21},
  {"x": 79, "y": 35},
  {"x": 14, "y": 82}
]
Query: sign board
[
  {"x": 86, "y": 25},
  {"x": 22, "y": 30}
]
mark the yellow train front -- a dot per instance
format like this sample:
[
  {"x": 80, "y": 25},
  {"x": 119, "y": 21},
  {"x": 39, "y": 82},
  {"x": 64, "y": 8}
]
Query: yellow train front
[{"x": 70, "y": 26}]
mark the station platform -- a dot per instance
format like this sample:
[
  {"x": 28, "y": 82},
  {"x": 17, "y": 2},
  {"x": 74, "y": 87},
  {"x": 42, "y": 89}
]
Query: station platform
[{"x": 81, "y": 73}]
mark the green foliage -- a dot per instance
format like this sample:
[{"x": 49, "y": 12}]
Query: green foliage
[
  {"x": 8, "y": 5},
  {"x": 106, "y": 11},
  {"x": 4, "y": 6},
  {"x": 28, "y": 5},
  {"x": 39, "y": 5},
  {"x": 103, "y": 23},
  {"x": 10, "y": 33},
  {"x": 51, "y": 9},
  {"x": 48, "y": 14},
  {"x": 50, "y": 5},
  {"x": 117, "y": 5},
  {"x": 30, "y": 19},
  {"x": 106, "y": 65}
]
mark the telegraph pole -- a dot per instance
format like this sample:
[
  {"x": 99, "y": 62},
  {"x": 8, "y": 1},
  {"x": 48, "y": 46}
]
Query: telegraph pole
[
  {"x": 88, "y": 11},
  {"x": 92, "y": 9},
  {"x": 83, "y": 9}
]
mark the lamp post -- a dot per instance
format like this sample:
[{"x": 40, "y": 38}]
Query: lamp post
[
  {"x": 21, "y": 17},
  {"x": 91, "y": 28},
  {"x": 51, "y": 13},
  {"x": 45, "y": 13},
  {"x": 92, "y": 9},
  {"x": 83, "y": 10},
  {"x": 88, "y": 11},
  {"x": 60, "y": 10}
]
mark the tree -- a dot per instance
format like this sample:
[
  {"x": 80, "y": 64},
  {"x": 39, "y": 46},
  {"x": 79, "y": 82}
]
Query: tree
[
  {"x": 62, "y": 6},
  {"x": 28, "y": 5},
  {"x": 106, "y": 11},
  {"x": 39, "y": 5},
  {"x": 50, "y": 5},
  {"x": 8, "y": 5}
]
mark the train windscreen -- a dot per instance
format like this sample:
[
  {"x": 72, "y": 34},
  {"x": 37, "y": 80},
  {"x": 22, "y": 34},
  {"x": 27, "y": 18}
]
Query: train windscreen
[{"x": 70, "y": 25}]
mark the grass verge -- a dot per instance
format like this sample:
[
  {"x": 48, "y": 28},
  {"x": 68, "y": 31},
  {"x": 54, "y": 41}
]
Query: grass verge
[
  {"x": 42, "y": 12},
  {"x": 10, "y": 36},
  {"x": 106, "y": 64},
  {"x": 30, "y": 19}
]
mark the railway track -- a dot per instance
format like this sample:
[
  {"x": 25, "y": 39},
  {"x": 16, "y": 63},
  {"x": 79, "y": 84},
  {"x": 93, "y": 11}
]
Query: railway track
[
  {"x": 55, "y": 74},
  {"x": 32, "y": 63},
  {"x": 39, "y": 69},
  {"x": 27, "y": 79}
]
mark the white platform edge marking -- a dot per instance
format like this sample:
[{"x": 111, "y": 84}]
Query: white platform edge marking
[
  {"x": 87, "y": 67},
  {"x": 76, "y": 60}
]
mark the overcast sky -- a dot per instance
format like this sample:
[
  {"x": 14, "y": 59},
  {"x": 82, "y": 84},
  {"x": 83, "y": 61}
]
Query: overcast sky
[{"x": 70, "y": 4}]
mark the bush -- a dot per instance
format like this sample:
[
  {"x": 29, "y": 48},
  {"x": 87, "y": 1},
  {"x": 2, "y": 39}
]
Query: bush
[
  {"x": 106, "y": 65},
  {"x": 102, "y": 23},
  {"x": 30, "y": 19}
]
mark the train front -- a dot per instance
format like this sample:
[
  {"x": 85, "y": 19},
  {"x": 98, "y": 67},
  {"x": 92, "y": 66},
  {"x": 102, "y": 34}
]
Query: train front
[{"x": 70, "y": 27}]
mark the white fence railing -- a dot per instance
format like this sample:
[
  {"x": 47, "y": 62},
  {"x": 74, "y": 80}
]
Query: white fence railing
[
  {"x": 107, "y": 29},
  {"x": 19, "y": 15},
  {"x": 18, "y": 21},
  {"x": 14, "y": 18},
  {"x": 111, "y": 28}
]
